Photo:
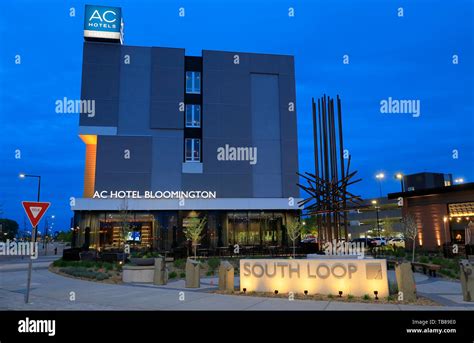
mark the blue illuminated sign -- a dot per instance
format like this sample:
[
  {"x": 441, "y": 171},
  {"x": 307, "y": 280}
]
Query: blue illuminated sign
[{"x": 103, "y": 22}]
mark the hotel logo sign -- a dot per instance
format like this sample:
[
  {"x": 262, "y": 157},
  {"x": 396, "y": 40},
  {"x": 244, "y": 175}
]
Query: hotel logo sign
[
  {"x": 154, "y": 195},
  {"x": 103, "y": 22},
  {"x": 319, "y": 276}
]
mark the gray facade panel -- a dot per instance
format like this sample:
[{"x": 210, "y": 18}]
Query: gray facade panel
[
  {"x": 107, "y": 181},
  {"x": 134, "y": 118},
  {"x": 112, "y": 151},
  {"x": 101, "y": 53},
  {"x": 265, "y": 106},
  {"x": 167, "y": 158},
  {"x": 106, "y": 114},
  {"x": 135, "y": 84},
  {"x": 225, "y": 60},
  {"x": 137, "y": 56},
  {"x": 166, "y": 115},
  {"x": 267, "y": 186},
  {"x": 116, "y": 172},
  {"x": 289, "y": 185},
  {"x": 100, "y": 81},
  {"x": 214, "y": 166},
  {"x": 236, "y": 186},
  {"x": 202, "y": 182}
]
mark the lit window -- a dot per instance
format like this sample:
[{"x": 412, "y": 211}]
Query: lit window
[
  {"x": 193, "y": 115},
  {"x": 193, "y": 150},
  {"x": 193, "y": 82}
]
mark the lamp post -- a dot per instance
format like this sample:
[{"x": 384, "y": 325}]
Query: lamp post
[
  {"x": 399, "y": 176},
  {"x": 374, "y": 202},
  {"x": 33, "y": 236},
  {"x": 379, "y": 178}
]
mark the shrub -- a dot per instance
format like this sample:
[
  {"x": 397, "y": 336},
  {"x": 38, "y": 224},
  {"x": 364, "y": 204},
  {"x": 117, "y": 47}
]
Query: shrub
[
  {"x": 180, "y": 263},
  {"x": 210, "y": 273},
  {"x": 350, "y": 296},
  {"x": 330, "y": 296},
  {"x": 182, "y": 275},
  {"x": 366, "y": 297},
  {"x": 390, "y": 298},
  {"x": 424, "y": 259},
  {"x": 213, "y": 263},
  {"x": 172, "y": 275},
  {"x": 393, "y": 288},
  {"x": 84, "y": 273}
]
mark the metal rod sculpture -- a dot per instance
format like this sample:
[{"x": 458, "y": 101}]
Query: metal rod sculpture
[{"x": 327, "y": 188}]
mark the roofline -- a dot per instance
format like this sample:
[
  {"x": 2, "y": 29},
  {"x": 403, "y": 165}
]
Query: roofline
[{"x": 432, "y": 191}]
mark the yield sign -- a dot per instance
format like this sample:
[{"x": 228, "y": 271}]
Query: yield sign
[{"x": 35, "y": 210}]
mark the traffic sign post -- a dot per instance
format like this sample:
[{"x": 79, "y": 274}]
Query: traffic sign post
[{"x": 35, "y": 210}]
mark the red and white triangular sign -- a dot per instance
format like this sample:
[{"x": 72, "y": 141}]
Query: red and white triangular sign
[{"x": 35, "y": 210}]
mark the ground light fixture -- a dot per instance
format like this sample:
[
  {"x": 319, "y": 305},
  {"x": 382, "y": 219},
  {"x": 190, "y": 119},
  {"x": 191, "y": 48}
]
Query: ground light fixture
[
  {"x": 305, "y": 292},
  {"x": 245, "y": 290},
  {"x": 376, "y": 293},
  {"x": 276, "y": 291},
  {"x": 340, "y": 294}
]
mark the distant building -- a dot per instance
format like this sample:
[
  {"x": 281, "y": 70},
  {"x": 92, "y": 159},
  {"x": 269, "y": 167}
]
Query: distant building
[
  {"x": 416, "y": 182},
  {"x": 363, "y": 221},
  {"x": 442, "y": 213}
]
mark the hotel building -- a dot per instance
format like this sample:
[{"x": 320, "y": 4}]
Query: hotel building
[{"x": 220, "y": 128}]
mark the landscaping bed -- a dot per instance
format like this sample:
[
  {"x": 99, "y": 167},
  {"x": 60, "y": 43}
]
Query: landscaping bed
[
  {"x": 107, "y": 272},
  {"x": 392, "y": 299}
]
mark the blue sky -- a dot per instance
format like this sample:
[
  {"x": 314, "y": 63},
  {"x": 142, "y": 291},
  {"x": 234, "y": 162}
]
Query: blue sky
[{"x": 407, "y": 57}]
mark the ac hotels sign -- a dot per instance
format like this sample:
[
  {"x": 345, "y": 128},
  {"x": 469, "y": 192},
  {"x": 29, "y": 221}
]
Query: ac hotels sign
[{"x": 318, "y": 276}]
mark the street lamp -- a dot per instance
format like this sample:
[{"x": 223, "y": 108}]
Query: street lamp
[
  {"x": 374, "y": 202},
  {"x": 24, "y": 176},
  {"x": 380, "y": 177},
  {"x": 399, "y": 176},
  {"x": 459, "y": 180}
]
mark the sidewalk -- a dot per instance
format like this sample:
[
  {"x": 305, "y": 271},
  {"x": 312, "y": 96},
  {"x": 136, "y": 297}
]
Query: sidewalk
[{"x": 52, "y": 292}]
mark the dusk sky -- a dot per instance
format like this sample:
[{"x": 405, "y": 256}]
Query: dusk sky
[{"x": 405, "y": 58}]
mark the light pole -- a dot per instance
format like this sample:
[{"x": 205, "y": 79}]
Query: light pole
[
  {"x": 379, "y": 178},
  {"x": 33, "y": 237},
  {"x": 399, "y": 176},
  {"x": 374, "y": 202}
]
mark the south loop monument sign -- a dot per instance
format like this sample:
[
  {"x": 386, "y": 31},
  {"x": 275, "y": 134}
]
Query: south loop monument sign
[{"x": 324, "y": 276}]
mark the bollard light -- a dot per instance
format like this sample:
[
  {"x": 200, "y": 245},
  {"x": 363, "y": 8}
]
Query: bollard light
[
  {"x": 305, "y": 292},
  {"x": 276, "y": 291},
  {"x": 245, "y": 290},
  {"x": 376, "y": 293},
  {"x": 340, "y": 294}
]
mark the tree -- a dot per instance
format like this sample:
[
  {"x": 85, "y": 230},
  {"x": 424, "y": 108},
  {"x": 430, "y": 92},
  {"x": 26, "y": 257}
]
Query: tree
[
  {"x": 8, "y": 229},
  {"x": 388, "y": 230},
  {"x": 294, "y": 231},
  {"x": 410, "y": 231},
  {"x": 194, "y": 230},
  {"x": 64, "y": 236}
]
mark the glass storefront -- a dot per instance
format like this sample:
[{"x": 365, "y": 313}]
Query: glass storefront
[{"x": 163, "y": 230}]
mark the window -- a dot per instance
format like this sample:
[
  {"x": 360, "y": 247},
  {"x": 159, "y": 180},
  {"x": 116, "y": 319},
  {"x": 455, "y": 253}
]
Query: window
[
  {"x": 193, "y": 82},
  {"x": 193, "y": 115},
  {"x": 192, "y": 150}
]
